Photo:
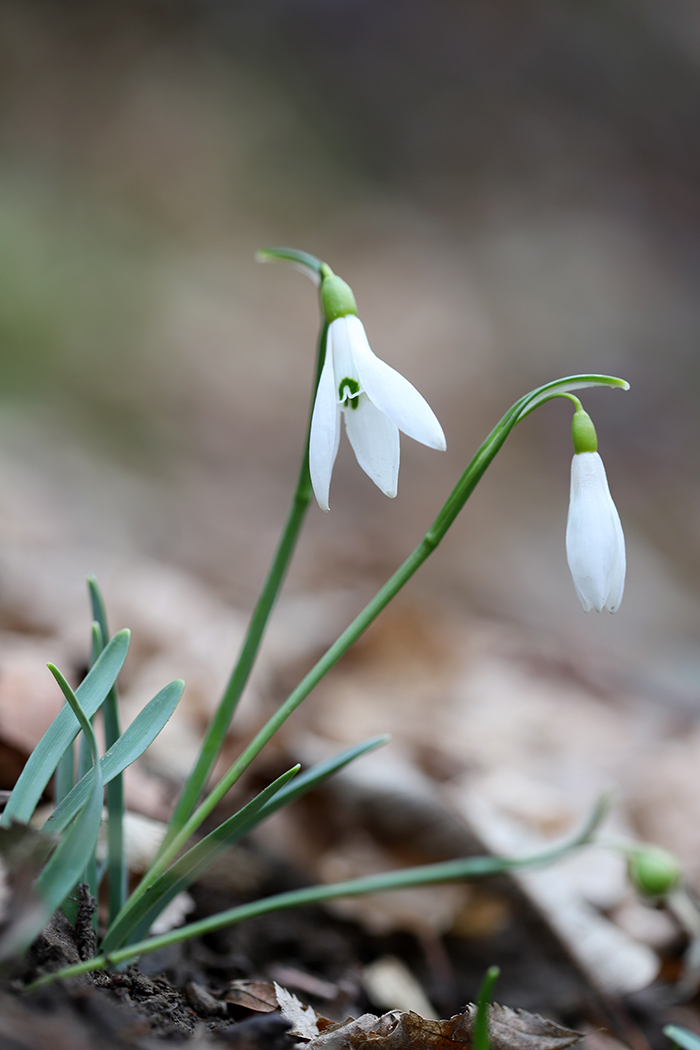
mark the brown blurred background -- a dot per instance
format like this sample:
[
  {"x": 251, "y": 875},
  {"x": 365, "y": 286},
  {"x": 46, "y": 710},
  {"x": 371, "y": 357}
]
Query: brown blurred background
[{"x": 510, "y": 188}]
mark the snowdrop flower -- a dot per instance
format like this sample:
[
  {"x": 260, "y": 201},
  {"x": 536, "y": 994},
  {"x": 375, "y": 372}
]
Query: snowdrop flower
[
  {"x": 375, "y": 400},
  {"x": 595, "y": 545}
]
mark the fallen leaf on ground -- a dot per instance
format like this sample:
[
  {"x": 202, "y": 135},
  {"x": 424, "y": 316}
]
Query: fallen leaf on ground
[
  {"x": 508, "y": 1030},
  {"x": 302, "y": 1018},
  {"x": 252, "y": 995}
]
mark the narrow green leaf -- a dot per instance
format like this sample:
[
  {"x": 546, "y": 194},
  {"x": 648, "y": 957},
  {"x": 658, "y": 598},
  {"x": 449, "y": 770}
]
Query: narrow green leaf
[
  {"x": 426, "y": 875},
  {"x": 116, "y": 854},
  {"x": 63, "y": 730},
  {"x": 682, "y": 1037},
  {"x": 65, "y": 775},
  {"x": 481, "y": 1022},
  {"x": 140, "y": 912},
  {"x": 130, "y": 746},
  {"x": 316, "y": 775},
  {"x": 97, "y": 605},
  {"x": 67, "y": 863},
  {"x": 302, "y": 261},
  {"x": 191, "y": 865}
]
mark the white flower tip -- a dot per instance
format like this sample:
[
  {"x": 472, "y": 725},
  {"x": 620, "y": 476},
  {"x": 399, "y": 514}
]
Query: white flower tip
[{"x": 440, "y": 442}]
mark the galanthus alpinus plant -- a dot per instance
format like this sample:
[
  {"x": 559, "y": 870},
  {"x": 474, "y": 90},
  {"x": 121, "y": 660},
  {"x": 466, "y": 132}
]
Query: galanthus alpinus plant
[{"x": 350, "y": 381}]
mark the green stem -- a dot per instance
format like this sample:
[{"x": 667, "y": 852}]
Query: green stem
[
  {"x": 426, "y": 875},
  {"x": 256, "y": 628},
  {"x": 460, "y": 494}
]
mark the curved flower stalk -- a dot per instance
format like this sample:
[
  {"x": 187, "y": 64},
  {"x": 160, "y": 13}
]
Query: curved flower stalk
[
  {"x": 595, "y": 544},
  {"x": 375, "y": 400}
]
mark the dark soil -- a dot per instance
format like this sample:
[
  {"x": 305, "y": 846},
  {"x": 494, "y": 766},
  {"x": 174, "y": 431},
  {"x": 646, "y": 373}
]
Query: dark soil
[{"x": 179, "y": 995}]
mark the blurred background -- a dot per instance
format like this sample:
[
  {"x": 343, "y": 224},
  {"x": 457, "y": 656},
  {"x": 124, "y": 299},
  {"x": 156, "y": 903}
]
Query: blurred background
[{"x": 512, "y": 191}]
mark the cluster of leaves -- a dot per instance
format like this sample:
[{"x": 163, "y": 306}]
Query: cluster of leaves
[{"x": 72, "y": 828}]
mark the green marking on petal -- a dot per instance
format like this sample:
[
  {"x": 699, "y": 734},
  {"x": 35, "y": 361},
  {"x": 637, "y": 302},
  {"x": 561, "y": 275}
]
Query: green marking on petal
[{"x": 349, "y": 392}]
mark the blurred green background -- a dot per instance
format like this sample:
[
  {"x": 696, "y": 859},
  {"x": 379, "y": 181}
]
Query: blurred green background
[{"x": 510, "y": 188}]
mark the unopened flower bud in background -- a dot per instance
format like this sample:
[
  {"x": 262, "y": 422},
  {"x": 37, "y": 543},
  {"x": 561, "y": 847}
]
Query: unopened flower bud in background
[
  {"x": 595, "y": 544},
  {"x": 653, "y": 871},
  {"x": 375, "y": 400}
]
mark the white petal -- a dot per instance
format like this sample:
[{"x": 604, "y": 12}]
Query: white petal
[
  {"x": 391, "y": 393},
  {"x": 595, "y": 545},
  {"x": 375, "y": 442},
  {"x": 325, "y": 431},
  {"x": 617, "y": 583},
  {"x": 339, "y": 332}
]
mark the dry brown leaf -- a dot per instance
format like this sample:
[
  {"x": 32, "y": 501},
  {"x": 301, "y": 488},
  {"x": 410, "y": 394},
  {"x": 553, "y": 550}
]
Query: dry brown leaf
[
  {"x": 252, "y": 995},
  {"x": 508, "y": 1030},
  {"x": 519, "y": 1030},
  {"x": 301, "y": 1017}
]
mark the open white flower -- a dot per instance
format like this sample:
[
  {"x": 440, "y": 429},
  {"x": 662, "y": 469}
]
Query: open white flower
[
  {"x": 595, "y": 545},
  {"x": 376, "y": 402}
]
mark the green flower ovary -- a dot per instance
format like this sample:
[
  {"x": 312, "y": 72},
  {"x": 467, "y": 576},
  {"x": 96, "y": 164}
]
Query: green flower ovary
[
  {"x": 337, "y": 299},
  {"x": 349, "y": 392}
]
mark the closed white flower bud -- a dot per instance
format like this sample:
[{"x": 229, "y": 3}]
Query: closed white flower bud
[{"x": 595, "y": 545}]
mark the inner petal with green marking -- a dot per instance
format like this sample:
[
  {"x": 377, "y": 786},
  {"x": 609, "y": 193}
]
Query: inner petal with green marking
[{"x": 349, "y": 392}]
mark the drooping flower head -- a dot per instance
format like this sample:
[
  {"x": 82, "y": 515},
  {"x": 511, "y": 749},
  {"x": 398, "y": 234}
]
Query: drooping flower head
[
  {"x": 595, "y": 544},
  {"x": 374, "y": 399}
]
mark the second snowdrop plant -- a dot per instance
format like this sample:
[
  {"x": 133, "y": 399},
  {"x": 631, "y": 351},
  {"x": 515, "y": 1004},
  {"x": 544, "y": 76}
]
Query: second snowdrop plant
[
  {"x": 374, "y": 399},
  {"x": 595, "y": 544}
]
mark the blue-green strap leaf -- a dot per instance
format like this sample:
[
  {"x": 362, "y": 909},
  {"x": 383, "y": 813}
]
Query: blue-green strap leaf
[
  {"x": 130, "y": 746},
  {"x": 142, "y": 912},
  {"x": 191, "y": 865},
  {"x": 67, "y": 863},
  {"x": 315, "y": 775},
  {"x": 682, "y": 1037},
  {"x": 46, "y": 755}
]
